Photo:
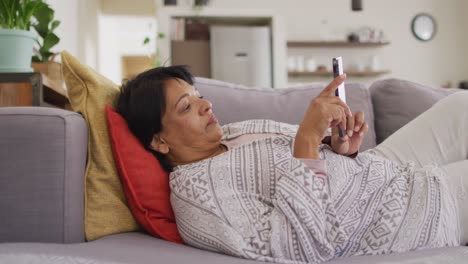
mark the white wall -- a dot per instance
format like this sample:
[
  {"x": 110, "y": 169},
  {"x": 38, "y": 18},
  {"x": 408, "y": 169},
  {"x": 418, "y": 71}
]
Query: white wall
[
  {"x": 463, "y": 23},
  {"x": 99, "y": 32},
  {"x": 123, "y": 27},
  {"x": 109, "y": 60},
  {"x": 434, "y": 63},
  {"x": 67, "y": 13},
  {"x": 89, "y": 13},
  {"x": 78, "y": 30},
  {"x": 123, "y": 35},
  {"x": 441, "y": 60}
]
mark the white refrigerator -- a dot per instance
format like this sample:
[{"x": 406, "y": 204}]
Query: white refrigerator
[{"x": 241, "y": 54}]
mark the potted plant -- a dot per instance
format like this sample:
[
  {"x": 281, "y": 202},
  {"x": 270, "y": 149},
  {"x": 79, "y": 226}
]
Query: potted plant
[
  {"x": 15, "y": 36},
  {"x": 43, "y": 58},
  {"x": 156, "y": 58}
]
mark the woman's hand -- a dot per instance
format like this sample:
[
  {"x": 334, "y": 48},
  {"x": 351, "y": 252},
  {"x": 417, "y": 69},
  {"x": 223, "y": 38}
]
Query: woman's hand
[
  {"x": 326, "y": 110},
  {"x": 356, "y": 129}
]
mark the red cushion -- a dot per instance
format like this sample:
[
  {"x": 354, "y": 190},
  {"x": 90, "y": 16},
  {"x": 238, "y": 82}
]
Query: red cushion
[{"x": 145, "y": 183}]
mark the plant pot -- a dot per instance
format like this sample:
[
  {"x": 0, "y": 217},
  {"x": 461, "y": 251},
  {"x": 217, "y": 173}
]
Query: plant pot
[
  {"x": 16, "y": 51},
  {"x": 53, "y": 70}
]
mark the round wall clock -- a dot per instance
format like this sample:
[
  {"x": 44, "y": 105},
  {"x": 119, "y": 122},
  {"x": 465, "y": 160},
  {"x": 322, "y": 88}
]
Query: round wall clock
[{"x": 424, "y": 27}]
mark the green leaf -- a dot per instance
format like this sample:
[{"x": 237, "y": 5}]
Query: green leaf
[
  {"x": 23, "y": 14},
  {"x": 37, "y": 41},
  {"x": 44, "y": 15},
  {"x": 46, "y": 56},
  {"x": 54, "y": 25},
  {"x": 17, "y": 14},
  {"x": 161, "y": 35},
  {"x": 30, "y": 10},
  {"x": 146, "y": 40},
  {"x": 19, "y": 20},
  {"x": 10, "y": 8},
  {"x": 44, "y": 27},
  {"x": 49, "y": 41},
  {"x": 14, "y": 6},
  {"x": 39, "y": 31},
  {"x": 35, "y": 58},
  {"x": 4, "y": 14}
]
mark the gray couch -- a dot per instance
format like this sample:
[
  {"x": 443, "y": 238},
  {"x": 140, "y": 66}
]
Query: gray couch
[{"x": 43, "y": 156}]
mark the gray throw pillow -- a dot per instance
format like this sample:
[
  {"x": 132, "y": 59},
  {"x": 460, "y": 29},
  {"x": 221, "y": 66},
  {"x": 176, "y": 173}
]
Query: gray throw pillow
[
  {"x": 396, "y": 102},
  {"x": 233, "y": 103}
]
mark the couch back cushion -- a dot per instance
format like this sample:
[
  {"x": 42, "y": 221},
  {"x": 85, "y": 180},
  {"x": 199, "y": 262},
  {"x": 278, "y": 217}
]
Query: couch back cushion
[
  {"x": 397, "y": 102},
  {"x": 233, "y": 103}
]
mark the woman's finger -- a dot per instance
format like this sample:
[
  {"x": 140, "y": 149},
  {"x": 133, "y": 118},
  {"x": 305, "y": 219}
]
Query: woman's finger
[
  {"x": 336, "y": 113},
  {"x": 335, "y": 123},
  {"x": 359, "y": 121},
  {"x": 350, "y": 126},
  {"x": 337, "y": 101},
  {"x": 330, "y": 89},
  {"x": 343, "y": 122},
  {"x": 335, "y": 133},
  {"x": 334, "y": 130},
  {"x": 364, "y": 129}
]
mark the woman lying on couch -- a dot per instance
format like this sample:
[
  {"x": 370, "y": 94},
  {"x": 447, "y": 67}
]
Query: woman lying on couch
[{"x": 270, "y": 191}]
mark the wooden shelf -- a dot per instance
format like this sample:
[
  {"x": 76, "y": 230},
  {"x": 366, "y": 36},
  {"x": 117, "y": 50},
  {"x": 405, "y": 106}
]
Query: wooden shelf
[
  {"x": 32, "y": 89},
  {"x": 328, "y": 74},
  {"x": 335, "y": 44}
]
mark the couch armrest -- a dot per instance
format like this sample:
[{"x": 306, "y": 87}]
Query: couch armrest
[{"x": 42, "y": 166}]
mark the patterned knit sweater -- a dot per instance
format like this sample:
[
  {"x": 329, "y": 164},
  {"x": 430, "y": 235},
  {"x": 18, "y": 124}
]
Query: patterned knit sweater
[{"x": 257, "y": 201}]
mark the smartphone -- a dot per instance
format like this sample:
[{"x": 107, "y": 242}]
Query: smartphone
[{"x": 340, "y": 92}]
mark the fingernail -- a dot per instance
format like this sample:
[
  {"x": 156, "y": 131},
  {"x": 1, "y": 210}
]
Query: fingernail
[
  {"x": 350, "y": 133},
  {"x": 356, "y": 128},
  {"x": 360, "y": 134}
]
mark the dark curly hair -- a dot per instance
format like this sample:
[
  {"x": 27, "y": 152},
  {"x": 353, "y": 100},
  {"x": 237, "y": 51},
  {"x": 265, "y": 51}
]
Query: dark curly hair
[{"x": 142, "y": 103}]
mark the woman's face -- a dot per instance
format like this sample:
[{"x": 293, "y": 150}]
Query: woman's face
[{"x": 189, "y": 125}]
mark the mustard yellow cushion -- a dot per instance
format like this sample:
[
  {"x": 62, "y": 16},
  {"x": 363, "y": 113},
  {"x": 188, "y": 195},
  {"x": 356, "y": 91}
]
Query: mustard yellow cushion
[{"x": 106, "y": 210}]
